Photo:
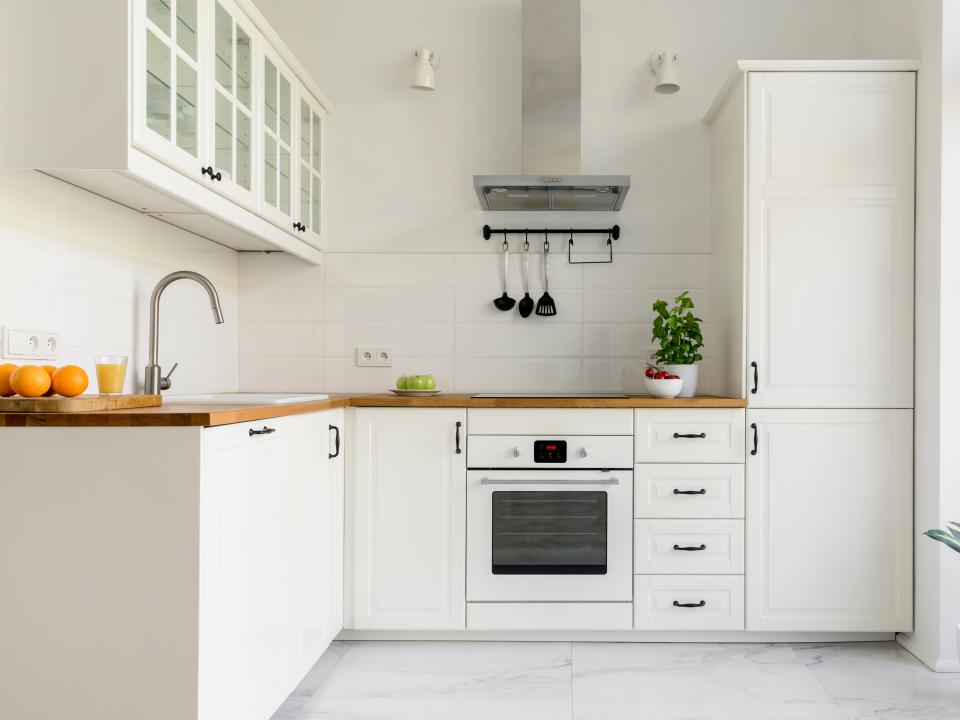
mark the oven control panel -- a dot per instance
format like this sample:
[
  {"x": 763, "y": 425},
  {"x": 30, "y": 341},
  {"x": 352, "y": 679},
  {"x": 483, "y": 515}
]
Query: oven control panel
[{"x": 549, "y": 451}]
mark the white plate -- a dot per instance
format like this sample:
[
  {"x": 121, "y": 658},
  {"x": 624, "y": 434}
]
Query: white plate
[{"x": 415, "y": 392}]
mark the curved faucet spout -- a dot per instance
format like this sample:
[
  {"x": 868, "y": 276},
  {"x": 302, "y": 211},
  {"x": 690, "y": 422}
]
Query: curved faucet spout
[{"x": 153, "y": 383}]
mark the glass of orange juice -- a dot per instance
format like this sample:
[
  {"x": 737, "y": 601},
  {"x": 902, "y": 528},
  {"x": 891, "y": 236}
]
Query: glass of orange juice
[{"x": 111, "y": 372}]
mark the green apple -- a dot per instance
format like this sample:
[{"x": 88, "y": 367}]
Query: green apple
[
  {"x": 402, "y": 382},
  {"x": 417, "y": 382},
  {"x": 429, "y": 382}
]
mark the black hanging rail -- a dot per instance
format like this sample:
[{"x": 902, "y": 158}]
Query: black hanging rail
[{"x": 614, "y": 232}]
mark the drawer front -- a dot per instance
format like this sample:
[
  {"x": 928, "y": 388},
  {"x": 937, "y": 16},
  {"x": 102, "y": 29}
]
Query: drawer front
[
  {"x": 691, "y": 436},
  {"x": 681, "y": 490},
  {"x": 688, "y": 602},
  {"x": 550, "y": 421},
  {"x": 717, "y": 547}
]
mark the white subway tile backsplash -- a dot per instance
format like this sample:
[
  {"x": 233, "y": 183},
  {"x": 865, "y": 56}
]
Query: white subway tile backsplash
[
  {"x": 401, "y": 304},
  {"x": 87, "y": 271},
  {"x": 486, "y": 340},
  {"x": 282, "y": 374},
  {"x": 281, "y": 304},
  {"x": 267, "y": 339},
  {"x": 436, "y": 311}
]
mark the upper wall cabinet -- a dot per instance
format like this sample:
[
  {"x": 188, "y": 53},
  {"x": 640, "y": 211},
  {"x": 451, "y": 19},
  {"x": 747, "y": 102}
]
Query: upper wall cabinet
[
  {"x": 825, "y": 177},
  {"x": 199, "y": 116}
]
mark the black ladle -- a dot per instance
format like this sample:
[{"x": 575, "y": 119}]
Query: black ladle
[
  {"x": 505, "y": 302},
  {"x": 525, "y": 306}
]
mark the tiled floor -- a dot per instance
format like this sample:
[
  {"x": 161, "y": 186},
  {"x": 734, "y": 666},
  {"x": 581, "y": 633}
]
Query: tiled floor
[{"x": 622, "y": 681}]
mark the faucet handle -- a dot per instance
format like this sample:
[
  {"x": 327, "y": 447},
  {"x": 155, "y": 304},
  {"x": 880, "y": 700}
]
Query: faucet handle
[{"x": 165, "y": 381}]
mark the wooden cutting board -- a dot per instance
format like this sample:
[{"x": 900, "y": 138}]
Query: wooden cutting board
[{"x": 81, "y": 403}]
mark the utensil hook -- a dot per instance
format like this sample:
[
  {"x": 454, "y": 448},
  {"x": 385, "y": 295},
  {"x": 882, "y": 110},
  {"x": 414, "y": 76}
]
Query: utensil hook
[
  {"x": 506, "y": 243},
  {"x": 546, "y": 241},
  {"x": 526, "y": 240}
]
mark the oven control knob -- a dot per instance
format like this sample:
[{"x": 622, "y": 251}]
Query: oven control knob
[
  {"x": 516, "y": 452},
  {"x": 583, "y": 452}
]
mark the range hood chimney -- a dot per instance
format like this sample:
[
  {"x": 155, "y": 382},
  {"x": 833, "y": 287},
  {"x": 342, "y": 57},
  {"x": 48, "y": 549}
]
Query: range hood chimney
[{"x": 551, "y": 178}]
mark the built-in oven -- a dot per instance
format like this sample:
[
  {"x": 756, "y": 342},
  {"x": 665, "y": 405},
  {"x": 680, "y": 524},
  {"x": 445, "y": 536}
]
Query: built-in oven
[{"x": 549, "y": 519}]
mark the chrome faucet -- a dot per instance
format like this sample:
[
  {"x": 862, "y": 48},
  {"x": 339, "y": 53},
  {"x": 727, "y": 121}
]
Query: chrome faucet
[{"x": 153, "y": 381}]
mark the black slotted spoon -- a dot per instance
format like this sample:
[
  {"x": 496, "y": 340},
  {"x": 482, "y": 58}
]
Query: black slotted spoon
[
  {"x": 505, "y": 302},
  {"x": 546, "y": 305},
  {"x": 525, "y": 306}
]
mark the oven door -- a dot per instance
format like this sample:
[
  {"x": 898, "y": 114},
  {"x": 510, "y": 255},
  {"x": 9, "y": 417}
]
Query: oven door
[{"x": 535, "y": 535}]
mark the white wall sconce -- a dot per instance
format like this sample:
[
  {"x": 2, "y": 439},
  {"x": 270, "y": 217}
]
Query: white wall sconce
[
  {"x": 424, "y": 77},
  {"x": 663, "y": 66}
]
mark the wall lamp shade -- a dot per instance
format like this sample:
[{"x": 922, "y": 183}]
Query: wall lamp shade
[
  {"x": 424, "y": 75},
  {"x": 663, "y": 67}
]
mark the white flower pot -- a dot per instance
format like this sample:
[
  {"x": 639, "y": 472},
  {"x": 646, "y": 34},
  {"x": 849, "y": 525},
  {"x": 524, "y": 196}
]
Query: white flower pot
[{"x": 689, "y": 374}]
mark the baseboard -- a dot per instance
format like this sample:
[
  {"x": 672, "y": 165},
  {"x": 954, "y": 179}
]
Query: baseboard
[
  {"x": 930, "y": 659},
  {"x": 713, "y": 636}
]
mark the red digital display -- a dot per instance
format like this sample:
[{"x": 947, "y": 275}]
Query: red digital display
[{"x": 550, "y": 447}]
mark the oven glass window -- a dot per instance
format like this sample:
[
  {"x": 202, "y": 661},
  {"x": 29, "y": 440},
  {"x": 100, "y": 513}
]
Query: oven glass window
[{"x": 550, "y": 533}]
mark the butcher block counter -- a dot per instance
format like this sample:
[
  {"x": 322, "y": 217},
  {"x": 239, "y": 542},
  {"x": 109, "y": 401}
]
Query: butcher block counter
[{"x": 173, "y": 414}]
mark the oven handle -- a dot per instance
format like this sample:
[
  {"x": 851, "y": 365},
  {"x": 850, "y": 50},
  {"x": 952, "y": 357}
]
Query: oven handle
[{"x": 549, "y": 481}]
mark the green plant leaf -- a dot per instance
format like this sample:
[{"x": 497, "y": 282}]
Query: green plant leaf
[{"x": 947, "y": 538}]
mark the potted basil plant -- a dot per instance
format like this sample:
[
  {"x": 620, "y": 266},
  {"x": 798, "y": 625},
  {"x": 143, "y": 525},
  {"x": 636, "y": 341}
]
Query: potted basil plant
[
  {"x": 677, "y": 330},
  {"x": 951, "y": 538}
]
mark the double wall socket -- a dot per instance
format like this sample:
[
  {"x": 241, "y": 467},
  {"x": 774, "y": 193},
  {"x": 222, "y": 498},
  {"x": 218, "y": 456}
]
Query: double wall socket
[
  {"x": 26, "y": 344},
  {"x": 374, "y": 357}
]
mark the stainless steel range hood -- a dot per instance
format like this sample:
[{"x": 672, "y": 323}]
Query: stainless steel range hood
[{"x": 551, "y": 178}]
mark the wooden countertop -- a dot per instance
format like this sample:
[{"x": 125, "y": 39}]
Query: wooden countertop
[{"x": 212, "y": 414}]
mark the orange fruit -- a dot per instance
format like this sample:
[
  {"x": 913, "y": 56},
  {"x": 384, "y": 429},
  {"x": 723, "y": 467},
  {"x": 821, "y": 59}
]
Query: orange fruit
[
  {"x": 70, "y": 380},
  {"x": 5, "y": 372},
  {"x": 51, "y": 369},
  {"x": 30, "y": 381}
]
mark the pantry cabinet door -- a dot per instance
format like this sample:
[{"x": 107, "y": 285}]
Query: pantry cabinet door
[
  {"x": 233, "y": 93},
  {"x": 334, "y": 526},
  {"x": 169, "y": 84},
  {"x": 407, "y": 516},
  {"x": 829, "y": 520},
  {"x": 830, "y": 239}
]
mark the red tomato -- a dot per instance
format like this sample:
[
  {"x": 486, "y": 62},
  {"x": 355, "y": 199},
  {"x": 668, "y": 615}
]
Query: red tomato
[
  {"x": 650, "y": 372},
  {"x": 662, "y": 375}
]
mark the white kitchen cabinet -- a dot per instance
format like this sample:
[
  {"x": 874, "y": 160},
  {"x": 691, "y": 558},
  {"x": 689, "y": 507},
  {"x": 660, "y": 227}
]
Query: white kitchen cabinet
[
  {"x": 310, "y": 123},
  {"x": 204, "y": 564},
  {"x": 178, "y": 124},
  {"x": 829, "y": 238},
  {"x": 407, "y": 519},
  {"x": 829, "y": 520},
  {"x": 682, "y": 435}
]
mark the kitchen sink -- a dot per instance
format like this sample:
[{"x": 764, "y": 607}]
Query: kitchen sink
[{"x": 244, "y": 398}]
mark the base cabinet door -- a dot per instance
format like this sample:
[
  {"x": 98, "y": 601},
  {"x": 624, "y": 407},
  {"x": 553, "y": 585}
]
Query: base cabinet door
[
  {"x": 407, "y": 518},
  {"x": 333, "y": 526},
  {"x": 829, "y": 520}
]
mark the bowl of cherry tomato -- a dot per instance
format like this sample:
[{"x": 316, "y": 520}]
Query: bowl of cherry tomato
[{"x": 661, "y": 384}]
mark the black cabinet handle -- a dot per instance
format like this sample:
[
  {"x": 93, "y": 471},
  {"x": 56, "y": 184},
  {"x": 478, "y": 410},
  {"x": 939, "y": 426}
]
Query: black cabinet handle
[
  {"x": 209, "y": 171},
  {"x": 702, "y": 603},
  {"x": 691, "y": 548},
  {"x": 701, "y": 491},
  {"x": 756, "y": 379},
  {"x": 336, "y": 443},
  {"x": 701, "y": 436},
  {"x": 299, "y": 226},
  {"x": 753, "y": 426},
  {"x": 265, "y": 431},
  {"x": 458, "y": 438}
]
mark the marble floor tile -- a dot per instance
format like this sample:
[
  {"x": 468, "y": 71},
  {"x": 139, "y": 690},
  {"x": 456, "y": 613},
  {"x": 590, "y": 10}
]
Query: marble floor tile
[
  {"x": 450, "y": 670},
  {"x": 473, "y": 708},
  {"x": 878, "y": 674},
  {"x": 665, "y": 673},
  {"x": 621, "y": 681}
]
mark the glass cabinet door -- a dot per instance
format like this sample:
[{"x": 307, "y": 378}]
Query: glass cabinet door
[
  {"x": 309, "y": 176},
  {"x": 233, "y": 102},
  {"x": 278, "y": 121},
  {"x": 167, "y": 112}
]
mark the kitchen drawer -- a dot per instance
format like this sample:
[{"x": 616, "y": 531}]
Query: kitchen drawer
[
  {"x": 656, "y": 544},
  {"x": 681, "y": 490},
  {"x": 688, "y": 602},
  {"x": 550, "y": 421},
  {"x": 713, "y": 435}
]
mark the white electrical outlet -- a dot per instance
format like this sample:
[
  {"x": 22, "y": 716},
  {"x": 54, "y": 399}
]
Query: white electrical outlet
[
  {"x": 27, "y": 344},
  {"x": 374, "y": 357},
  {"x": 366, "y": 357}
]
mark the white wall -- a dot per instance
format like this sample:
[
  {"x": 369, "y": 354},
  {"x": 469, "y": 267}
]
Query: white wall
[
  {"x": 83, "y": 266},
  {"x": 399, "y": 168},
  {"x": 930, "y": 30}
]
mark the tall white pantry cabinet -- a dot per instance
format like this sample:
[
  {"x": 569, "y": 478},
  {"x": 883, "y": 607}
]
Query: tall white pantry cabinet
[{"x": 820, "y": 157}]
